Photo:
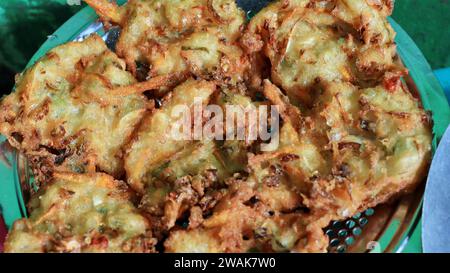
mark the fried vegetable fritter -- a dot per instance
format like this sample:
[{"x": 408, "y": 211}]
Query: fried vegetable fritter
[
  {"x": 361, "y": 147},
  {"x": 183, "y": 181},
  {"x": 165, "y": 169},
  {"x": 154, "y": 143},
  {"x": 82, "y": 213},
  {"x": 379, "y": 146},
  {"x": 179, "y": 37},
  {"x": 336, "y": 61},
  {"x": 308, "y": 42},
  {"x": 240, "y": 222},
  {"x": 63, "y": 117}
]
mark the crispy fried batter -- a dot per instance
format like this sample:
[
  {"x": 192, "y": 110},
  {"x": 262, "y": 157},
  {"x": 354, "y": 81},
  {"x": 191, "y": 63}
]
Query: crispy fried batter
[
  {"x": 172, "y": 174},
  {"x": 82, "y": 213},
  {"x": 174, "y": 36},
  {"x": 108, "y": 11},
  {"x": 308, "y": 42},
  {"x": 364, "y": 146},
  {"x": 185, "y": 179},
  {"x": 351, "y": 134},
  {"x": 62, "y": 114},
  {"x": 240, "y": 225},
  {"x": 154, "y": 143},
  {"x": 336, "y": 60},
  {"x": 379, "y": 142}
]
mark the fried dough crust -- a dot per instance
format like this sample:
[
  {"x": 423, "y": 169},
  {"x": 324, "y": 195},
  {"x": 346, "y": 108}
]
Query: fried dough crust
[
  {"x": 357, "y": 148},
  {"x": 242, "y": 223},
  {"x": 351, "y": 134},
  {"x": 179, "y": 37},
  {"x": 308, "y": 42},
  {"x": 154, "y": 143},
  {"x": 82, "y": 213},
  {"x": 63, "y": 117},
  {"x": 379, "y": 147}
]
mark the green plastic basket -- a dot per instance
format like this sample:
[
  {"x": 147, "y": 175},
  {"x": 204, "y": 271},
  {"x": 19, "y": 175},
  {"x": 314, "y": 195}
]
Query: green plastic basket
[{"x": 391, "y": 237}]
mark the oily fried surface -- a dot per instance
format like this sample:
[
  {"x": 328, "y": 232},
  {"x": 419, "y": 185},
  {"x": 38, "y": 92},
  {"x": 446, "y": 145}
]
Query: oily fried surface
[
  {"x": 336, "y": 60},
  {"x": 82, "y": 213},
  {"x": 308, "y": 42},
  {"x": 201, "y": 195},
  {"x": 241, "y": 222},
  {"x": 172, "y": 174},
  {"x": 351, "y": 135},
  {"x": 358, "y": 147},
  {"x": 63, "y": 116},
  {"x": 160, "y": 37},
  {"x": 154, "y": 142}
]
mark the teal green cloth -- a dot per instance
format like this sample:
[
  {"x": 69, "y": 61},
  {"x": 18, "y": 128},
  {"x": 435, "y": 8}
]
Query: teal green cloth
[
  {"x": 25, "y": 25},
  {"x": 427, "y": 22}
]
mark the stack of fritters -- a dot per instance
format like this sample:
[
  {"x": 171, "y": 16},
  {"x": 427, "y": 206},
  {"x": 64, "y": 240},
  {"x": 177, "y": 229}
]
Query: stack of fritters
[{"x": 351, "y": 134}]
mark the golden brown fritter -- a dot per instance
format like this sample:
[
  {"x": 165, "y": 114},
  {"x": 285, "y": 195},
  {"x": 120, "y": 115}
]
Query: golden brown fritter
[
  {"x": 357, "y": 148},
  {"x": 82, "y": 213},
  {"x": 379, "y": 146},
  {"x": 171, "y": 173},
  {"x": 179, "y": 37},
  {"x": 175, "y": 175},
  {"x": 308, "y": 42},
  {"x": 336, "y": 60},
  {"x": 154, "y": 143},
  {"x": 62, "y": 114},
  {"x": 196, "y": 179},
  {"x": 240, "y": 222},
  {"x": 184, "y": 180}
]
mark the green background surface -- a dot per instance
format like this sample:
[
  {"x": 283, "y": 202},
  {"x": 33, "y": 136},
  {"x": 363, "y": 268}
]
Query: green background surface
[
  {"x": 428, "y": 23},
  {"x": 26, "y": 24}
]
